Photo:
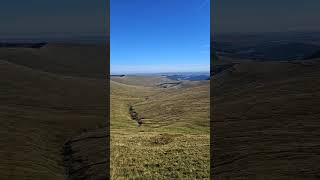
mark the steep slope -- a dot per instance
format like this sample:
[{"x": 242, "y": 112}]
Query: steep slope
[
  {"x": 40, "y": 112},
  {"x": 266, "y": 121}
]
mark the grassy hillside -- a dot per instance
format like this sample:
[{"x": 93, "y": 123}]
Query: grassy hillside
[
  {"x": 43, "y": 112},
  {"x": 266, "y": 120},
  {"x": 84, "y": 60},
  {"x": 173, "y": 140},
  {"x": 146, "y": 81}
]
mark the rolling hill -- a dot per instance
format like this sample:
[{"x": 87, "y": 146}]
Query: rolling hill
[
  {"x": 50, "y": 113},
  {"x": 172, "y": 139},
  {"x": 267, "y": 46},
  {"x": 265, "y": 118},
  {"x": 83, "y": 60}
]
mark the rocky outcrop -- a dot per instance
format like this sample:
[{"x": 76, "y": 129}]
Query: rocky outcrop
[{"x": 135, "y": 116}]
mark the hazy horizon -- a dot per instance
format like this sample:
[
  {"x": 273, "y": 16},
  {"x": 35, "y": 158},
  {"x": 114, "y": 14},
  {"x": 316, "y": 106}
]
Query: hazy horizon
[
  {"x": 55, "y": 39},
  {"x": 160, "y": 72},
  {"x": 136, "y": 69}
]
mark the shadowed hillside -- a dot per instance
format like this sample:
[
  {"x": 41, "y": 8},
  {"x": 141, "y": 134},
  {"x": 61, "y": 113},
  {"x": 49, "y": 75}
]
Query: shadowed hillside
[
  {"x": 266, "y": 120},
  {"x": 49, "y": 120}
]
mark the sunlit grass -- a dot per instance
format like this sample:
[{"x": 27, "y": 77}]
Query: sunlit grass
[{"x": 165, "y": 147}]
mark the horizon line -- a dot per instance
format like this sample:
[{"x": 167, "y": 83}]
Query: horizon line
[{"x": 163, "y": 72}]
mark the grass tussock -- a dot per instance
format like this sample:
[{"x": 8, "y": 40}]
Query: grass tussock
[{"x": 161, "y": 139}]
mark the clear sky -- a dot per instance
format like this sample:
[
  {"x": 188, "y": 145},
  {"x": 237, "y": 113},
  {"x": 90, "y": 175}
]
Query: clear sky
[
  {"x": 265, "y": 15},
  {"x": 51, "y": 18},
  {"x": 149, "y": 36}
]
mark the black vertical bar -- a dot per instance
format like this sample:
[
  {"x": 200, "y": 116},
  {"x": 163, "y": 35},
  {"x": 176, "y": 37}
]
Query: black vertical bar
[
  {"x": 212, "y": 133},
  {"x": 108, "y": 88}
]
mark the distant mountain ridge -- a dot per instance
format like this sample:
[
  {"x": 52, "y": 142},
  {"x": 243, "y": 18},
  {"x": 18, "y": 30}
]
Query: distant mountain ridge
[
  {"x": 21, "y": 45},
  {"x": 315, "y": 55},
  {"x": 189, "y": 77},
  {"x": 267, "y": 46},
  {"x": 267, "y": 50}
]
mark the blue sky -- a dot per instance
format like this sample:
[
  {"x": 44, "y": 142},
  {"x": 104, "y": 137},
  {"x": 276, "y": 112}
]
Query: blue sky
[{"x": 150, "y": 36}]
